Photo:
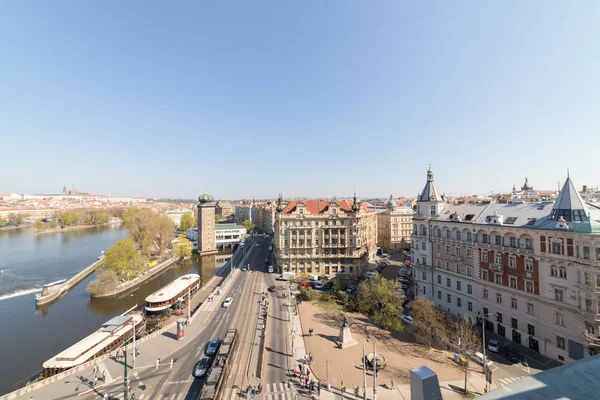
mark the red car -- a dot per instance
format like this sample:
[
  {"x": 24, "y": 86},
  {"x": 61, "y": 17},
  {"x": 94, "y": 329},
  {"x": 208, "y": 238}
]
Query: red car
[{"x": 266, "y": 261}]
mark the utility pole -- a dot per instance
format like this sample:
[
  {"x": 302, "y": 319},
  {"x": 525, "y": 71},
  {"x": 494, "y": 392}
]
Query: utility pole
[
  {"x": 364, "y": 373},
  {"x": 134, "y": 350},
  {"x": 125, "y": 379},
  {"x": 189, "y": 304},
  {"x": 375, "y": 370}
]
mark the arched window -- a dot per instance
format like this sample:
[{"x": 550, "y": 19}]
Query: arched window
[{"x": 423, "y": 230}]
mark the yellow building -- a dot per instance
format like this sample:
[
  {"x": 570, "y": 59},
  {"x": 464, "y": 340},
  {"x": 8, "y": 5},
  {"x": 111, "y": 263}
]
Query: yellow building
[
  {"x": 394, "y": 227},
  {"x": 324, "y": 237}
]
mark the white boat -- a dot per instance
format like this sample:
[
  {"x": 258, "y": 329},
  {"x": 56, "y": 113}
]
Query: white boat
[{"x": 176, "y": 291}]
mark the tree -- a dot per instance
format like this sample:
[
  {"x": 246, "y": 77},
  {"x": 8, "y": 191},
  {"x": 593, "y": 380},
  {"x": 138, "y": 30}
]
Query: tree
[
  {"x": 187, "y": 222},
  {"x": 465, "y": 341},
  {"x": 152, "y": 233},
  {"x": 124, "y": 259},
  {"x": 16, "y": 219},
  {"x": 39, "y": 225},
  {"x": 217, "y": 218},
  {"x": 381, "y": 299},
  {"x": 2, "y": 221},
  {"x": 67, "y": 218},
  {"x": 248, "y": 225},
  {"x": 428, "y": 323},
  {"x": 182, "y": 247},
  {"x": 104, "y": 282}
]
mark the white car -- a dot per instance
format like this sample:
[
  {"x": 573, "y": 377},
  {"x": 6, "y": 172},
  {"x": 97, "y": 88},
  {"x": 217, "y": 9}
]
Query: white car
[
  {"x": 407, "y": 319},
  {"x": 479, "y": 358},
  {"x": 371, "y": 274},
  {"x": 227, "y": 302},
  {"x": 494, "y": 346},
  {"x": 256, "y": 245},
  {"x": 319, "y": 285}
]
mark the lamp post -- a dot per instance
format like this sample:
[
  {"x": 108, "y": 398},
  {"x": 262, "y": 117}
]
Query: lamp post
[{"x": 134, "y": 351}]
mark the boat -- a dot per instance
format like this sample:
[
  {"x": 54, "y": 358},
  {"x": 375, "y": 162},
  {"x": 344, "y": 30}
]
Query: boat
[
  {"x": 111, "y": 335},
  {"x": 175, "y": 292}
]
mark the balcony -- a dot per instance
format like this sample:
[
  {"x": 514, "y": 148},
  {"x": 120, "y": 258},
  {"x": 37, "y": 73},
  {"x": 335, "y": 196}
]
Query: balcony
[
  {"x": 457, "y": 258},
  {"x": 496, "y": 267},
  {"x": 591, "y": 339},
  {"x": 528, "y": 275}
]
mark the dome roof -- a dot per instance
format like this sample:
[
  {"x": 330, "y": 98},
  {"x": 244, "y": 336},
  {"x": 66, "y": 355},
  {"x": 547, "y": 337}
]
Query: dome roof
[{"x": 205, "y": 198}]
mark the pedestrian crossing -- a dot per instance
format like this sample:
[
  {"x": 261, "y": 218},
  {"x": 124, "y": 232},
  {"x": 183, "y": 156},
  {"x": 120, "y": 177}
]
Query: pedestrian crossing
[
  {"x": 506, "y": 381},
  {"x": 278, "y": 391}
]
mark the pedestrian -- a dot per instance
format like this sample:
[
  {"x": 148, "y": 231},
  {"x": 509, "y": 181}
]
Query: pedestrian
[
  {"x": 393, "y": 384},
  {"x": 319, "y": 388},
  {"x": 306, "y": 358},
  {"x": 306, "y": 381},
  {"x": 295, "y": 373},
  {"x": 300, "y": 368},
  {"x": 103, "y": 376}
]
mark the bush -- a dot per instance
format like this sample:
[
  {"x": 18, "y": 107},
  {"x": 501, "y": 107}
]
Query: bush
[
  {"x": 326, "y": 297},
  {"x": 343, "y": 297},
  {"x": 104, "y": 282}
]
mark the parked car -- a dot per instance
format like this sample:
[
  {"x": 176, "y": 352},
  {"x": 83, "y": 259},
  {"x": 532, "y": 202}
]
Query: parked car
[
  {"x": 319, "y": 285},
  {"x": 272, "y": 288},
  {"x": 213, "y": 346},
  {"x": 479, "y": 358},
  {"x": 494, "y": 346},
  {"x": 227, "y": 302},
  {"x": 266, "y": 261},
  {"x": 256, "y": 245},
  {"x": 271, "y": 269},
  {"x": 201, "y": 367},
  {"x": 512, "y": 354},
  {"x": 371, "y": 274},
  {"x": 407, "y": 319},
  {"x": 351, "y": 289}
]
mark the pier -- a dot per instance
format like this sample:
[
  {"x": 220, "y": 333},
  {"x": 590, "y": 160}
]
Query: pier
[{"x": 51, "y": 293}]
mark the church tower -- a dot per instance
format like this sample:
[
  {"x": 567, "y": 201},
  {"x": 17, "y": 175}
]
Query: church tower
[
  {"x": 206, "y": 225},
  {"x": 430, "y": 203}
]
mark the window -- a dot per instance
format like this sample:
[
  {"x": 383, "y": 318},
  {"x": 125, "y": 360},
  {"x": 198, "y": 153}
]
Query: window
[
  {"x": 498, "y": 259},
  {"x": 513, "y": 241},
  {"x": 470, "y": 306},
  {"x": 484, "y": 275},
  {"x": 560, "y": 319},
  {"x": 448, "y": 283},
  {"x": 514, "y": 323},
  {"x": 529, "y": 265},
  {"x": 469, "y": 271},
  {"x": 598, "y": 280},
  {"x": 560, "y": 342},
  {"x": 530, "y": 330},
  {"x": 513, "y": 282},
  {"x": 457, "y": 251},
  {"x": 449, "y": 298},
  {"x": 498, "y": 240},
  {"x": 485, "y": 293},
  {"x": 529, "y": 287},
  {"x": 501, "y": 330},
  {"x": 531, "y": 221},
  {"x": 437, "y": 247},
  {"x": 485, "y": 312},
  {"x": 424, "y": 275},
  {"x": 510, "y": 220},
  {"x": 423, "y": 245},
  {"x": 458, "y": 285},
  {"x": 597, "y": 250},
  {"x": 498, "y": 298},
  {"x": 586, "y": 253},
  {"x": 469, "y": 289},
  {"x": 588, "y": 305},
  {"x": 448, "y": 265},
  {"x": 439, "y": 233},
  {"x": 529, "y": 244},
  {"x": 447, "y": 249},
  {"x": 469, "y": 236},
  {"x": 530, "y": 308},
  {"x": 558, "y": 295},
  {"x": 498, "y": 279},
  {"x": 512, "y": 262},
  {"x": 499, "y": 317},
  {"x": 424, "y": 259},
  {"x": 484, "y": 256},
  {"x": 587, "y": 278},
  {"x": 553, "y": 271},
  {"x": 468, "y": 251},
  {"x": 484, "y": 238},
  {"x": 424, "y": 290},
  {"x": 439, "y": 279},
  {"x": 459, "y": 302},
  {"x": 556, "y": 247},
  {"x": 439, "y": 294},
  {"x": 432, "y": 211},
  {"x": 439, "y": 264},
  {"x": 458, "y": 268},
  {"x": 457, "y": 235}
]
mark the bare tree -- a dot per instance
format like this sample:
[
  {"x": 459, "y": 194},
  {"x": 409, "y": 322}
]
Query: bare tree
[
  {"x": 465, "y": 341},
  {"x": 428, "y": 323}
]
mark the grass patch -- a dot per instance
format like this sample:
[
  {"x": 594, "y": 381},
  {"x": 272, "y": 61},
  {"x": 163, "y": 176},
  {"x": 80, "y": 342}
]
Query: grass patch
[{"x": 329, "y": 307}]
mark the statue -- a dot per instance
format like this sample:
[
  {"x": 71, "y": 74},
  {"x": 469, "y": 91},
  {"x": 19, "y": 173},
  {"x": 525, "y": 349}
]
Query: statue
[{"x": 345, "y": 321}]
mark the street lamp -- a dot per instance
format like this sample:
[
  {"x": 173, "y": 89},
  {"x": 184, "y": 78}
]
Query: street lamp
[{"x": 484, "y": 357}]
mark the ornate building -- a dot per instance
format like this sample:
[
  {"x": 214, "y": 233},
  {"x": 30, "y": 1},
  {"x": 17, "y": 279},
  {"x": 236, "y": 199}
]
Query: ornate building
[
  {"x": 394, "y": 226},
  {"x": 224, "y": 208},
  {"x": 324, "y": 237},
  {"x": 529, "y": 270},
  {"x": 206, "y": 225}
]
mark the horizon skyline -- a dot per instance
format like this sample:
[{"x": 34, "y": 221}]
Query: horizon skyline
[{"x": 315, "y": 99}]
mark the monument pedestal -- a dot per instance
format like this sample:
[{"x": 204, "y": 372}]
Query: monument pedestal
[{"x": 346, "y": 339}]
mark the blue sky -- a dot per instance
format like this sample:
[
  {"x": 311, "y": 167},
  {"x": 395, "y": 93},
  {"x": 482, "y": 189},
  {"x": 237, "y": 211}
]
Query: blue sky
[{"x": 315, "y": 98}]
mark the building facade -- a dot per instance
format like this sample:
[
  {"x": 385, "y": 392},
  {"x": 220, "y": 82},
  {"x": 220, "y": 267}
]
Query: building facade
[
  {"x": 324, "y": 237},
  {"x": 206, "y": 225},
  {"x": 531, "y": 269},
  {"x": 394, "y": 227},
  {"x": 224, "y": 209}
]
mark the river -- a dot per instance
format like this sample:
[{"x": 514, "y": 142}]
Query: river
[{"x": 30, "y": 335}]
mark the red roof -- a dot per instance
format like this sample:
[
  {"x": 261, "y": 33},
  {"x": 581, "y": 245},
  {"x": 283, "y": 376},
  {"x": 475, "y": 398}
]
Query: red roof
[{"x": 320, "y": 206}]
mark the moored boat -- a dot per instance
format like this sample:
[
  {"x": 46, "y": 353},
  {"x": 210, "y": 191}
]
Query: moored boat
[{"x": 175, "y": 292}]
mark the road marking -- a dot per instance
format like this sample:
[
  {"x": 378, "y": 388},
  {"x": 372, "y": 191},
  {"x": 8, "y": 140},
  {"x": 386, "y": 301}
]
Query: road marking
[{"x": 506, "y": 381}]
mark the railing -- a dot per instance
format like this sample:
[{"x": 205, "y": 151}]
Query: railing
[
  {"x": 496, "y": 267},
  {"x": 457, "y": 258}
]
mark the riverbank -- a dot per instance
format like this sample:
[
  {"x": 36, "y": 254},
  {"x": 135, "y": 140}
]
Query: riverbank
[
  {"x": 11, "y": 227},
  {"x": 69, "y": 228}
]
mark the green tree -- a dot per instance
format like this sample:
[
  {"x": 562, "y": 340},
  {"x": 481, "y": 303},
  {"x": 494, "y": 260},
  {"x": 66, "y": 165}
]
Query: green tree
[
  {"x": 39, "y": 225},
  {"x": 217, "y": 218},
  {"x": 381, "y": 299},
  {"x": 187, "y": 222},
  {"x": 182, "y": 247},
  {"x": 16, "y": 219},
  {"x": 124, "y": 259},
  {"x": 248, "y": 225},
  {"x": 53, "y": 224},
  {"x": 104, "y": 282},
  {"x": 152, "y": 233},
  {"x": 465, "y": 341},
  {"x": 67, "y": 218},
  {"x": 2, "y": 221},
  {"x": 428, "y": 323}
]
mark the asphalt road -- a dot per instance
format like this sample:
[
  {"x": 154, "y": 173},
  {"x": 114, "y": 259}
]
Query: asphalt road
[{"x": 177, "y": 383}]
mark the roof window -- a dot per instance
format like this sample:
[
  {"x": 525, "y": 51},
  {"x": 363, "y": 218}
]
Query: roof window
[
  {"x": 531, "y": 221},
  {"x": 469, "y": 217},
  {"x": 510, "y": 220}
]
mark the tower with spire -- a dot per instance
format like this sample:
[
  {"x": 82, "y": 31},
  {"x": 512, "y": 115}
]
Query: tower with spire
[{"x": 430, "y": 202}]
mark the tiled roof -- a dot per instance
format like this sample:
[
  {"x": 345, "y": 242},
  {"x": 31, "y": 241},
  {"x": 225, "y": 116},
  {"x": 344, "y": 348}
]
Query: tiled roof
[{"x": 320, "y": 206}]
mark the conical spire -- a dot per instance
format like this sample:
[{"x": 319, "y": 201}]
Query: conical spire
[
  {"x": 280, "y": 206},
  {"x": 569, "y": 205},
  {"x": 430, "y": 192},
  {"x": 355, "y": 206}
]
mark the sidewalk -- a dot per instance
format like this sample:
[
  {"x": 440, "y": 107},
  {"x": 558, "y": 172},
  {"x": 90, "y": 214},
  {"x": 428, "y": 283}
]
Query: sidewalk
[
  {"x": 534, "y": 359},
  {"x": 158, "y": 345}
]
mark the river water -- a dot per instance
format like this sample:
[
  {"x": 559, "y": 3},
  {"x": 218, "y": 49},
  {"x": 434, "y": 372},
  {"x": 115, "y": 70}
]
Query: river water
[{"x": 30, "y": 335}]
